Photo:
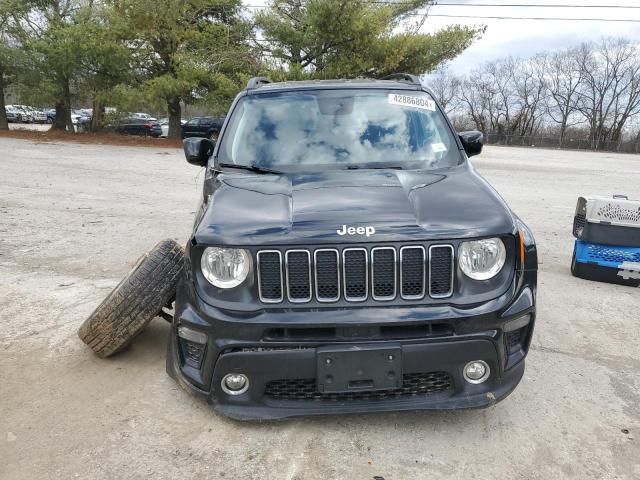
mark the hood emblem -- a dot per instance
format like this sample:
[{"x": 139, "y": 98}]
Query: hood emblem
[{"x": 345, "y": 230}]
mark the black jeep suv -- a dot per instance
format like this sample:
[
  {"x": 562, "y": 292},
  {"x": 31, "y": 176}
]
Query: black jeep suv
[{"x": 347, "y": 257}]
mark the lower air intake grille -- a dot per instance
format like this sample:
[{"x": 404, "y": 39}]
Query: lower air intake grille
[{"x": 413, "y": 384}]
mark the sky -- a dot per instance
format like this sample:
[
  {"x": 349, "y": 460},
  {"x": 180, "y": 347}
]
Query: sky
[{"x": 524, "y": 38}]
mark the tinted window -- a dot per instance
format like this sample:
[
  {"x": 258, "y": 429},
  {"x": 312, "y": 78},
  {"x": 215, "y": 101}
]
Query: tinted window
[{"x": 339, "y": 128}]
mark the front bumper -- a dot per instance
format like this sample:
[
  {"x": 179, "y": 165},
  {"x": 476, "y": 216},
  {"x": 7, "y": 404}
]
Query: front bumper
[{"x": 279, "y": 347}]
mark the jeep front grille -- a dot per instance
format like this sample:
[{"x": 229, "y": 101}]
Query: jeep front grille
[{"x": 355, "y": 274}]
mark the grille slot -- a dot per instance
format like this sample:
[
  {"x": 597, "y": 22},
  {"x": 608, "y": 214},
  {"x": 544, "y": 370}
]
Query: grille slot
[
  {"x": 298, "y": 264},
  {"x": 440, "y": 271},
  {"x": 327, "y": 275},
  {"x": 270, "y": 276},
  {"x": 354, "y": 272},
  {"x": 412, "y": 272},
  {"x": 383, "y": 273},
  {"x": 413, "y": 384}
]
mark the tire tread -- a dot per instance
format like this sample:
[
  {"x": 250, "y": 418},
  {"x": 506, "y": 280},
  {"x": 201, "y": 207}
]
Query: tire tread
[{"x": 135, "y": 301}]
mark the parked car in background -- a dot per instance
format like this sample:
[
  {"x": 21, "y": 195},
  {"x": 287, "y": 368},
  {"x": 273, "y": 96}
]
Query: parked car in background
[
  {"x": 51, "y": 115},
  {"x": 208, "y": 127},
  {"x": 164, "y": 125},
  {"x": 13, "y": 115},
  {"x": 27, "y": 113},
  {"x": 22, "y": 115},
  {"x": 144, "y": 116},
  {"x": 39, "y": 116},
  {"x": 81, "y": 121},
  {"x": 138, "y": 126}
]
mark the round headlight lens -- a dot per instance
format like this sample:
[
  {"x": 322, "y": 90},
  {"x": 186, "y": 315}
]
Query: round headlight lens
[
  {"x": 225, "y": 267},
  {"x": 482, "y": 259}
]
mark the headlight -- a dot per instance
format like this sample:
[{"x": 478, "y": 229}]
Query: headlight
[
  {"x": 225, "y": 267},
  {"x": 482, "y": 259}
]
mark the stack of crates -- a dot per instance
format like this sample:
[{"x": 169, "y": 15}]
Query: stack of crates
[{"x": 607, "y": 247}]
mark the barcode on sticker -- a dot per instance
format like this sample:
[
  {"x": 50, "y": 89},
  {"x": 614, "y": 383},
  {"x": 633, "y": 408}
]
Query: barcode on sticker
[{"x": 412, "y": 101}]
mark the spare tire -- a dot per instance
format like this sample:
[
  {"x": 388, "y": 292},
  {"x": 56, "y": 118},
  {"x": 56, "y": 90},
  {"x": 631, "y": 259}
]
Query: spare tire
[{"x": 135, "y": 301}]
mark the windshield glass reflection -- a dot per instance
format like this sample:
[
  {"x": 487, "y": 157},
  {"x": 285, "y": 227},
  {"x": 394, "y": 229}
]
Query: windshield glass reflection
[{"x": 339, "y": 129}]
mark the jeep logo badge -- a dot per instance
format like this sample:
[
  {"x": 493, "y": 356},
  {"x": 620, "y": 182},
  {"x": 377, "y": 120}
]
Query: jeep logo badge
[{"x": 368, "y": 231}]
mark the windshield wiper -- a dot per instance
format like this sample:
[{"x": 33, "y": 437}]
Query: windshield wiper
[{"x": 250, "y": 168}]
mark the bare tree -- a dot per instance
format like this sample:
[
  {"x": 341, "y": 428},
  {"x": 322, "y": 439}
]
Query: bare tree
[
  {"x": 446, "y": 88},
  {"x": 562, "y": 77},
  {"x": 610, "y": 84},
  {"x": 478, "y": 98},
  {"x": 597, "y": 86},
  {"x": 530, "y": 93}
]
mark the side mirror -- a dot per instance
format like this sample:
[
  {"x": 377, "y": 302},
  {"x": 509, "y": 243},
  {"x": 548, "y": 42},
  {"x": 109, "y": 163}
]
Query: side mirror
[
  {"x": 198, "y": 150},
  {"x": 472, "y": 142}
]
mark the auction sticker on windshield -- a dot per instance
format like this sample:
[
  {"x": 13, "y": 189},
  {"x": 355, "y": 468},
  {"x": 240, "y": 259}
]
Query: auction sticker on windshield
[{"x": 412, "y": 101}]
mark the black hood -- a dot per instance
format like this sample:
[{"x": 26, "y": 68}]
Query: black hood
[{"x": 308, "y": 208}]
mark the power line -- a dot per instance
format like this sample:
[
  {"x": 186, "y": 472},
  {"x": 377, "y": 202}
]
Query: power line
[
  {"x": 509, "y": 5},
  {"x": 500, "y": 17}
]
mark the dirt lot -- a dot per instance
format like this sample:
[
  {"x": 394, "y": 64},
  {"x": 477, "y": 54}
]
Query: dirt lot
[
  {"x": 43, "y": 133},
  {"x": 74, "y": 218}
]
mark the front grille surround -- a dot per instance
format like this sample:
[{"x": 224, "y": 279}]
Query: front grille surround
[{"x": 382, "y": 273}]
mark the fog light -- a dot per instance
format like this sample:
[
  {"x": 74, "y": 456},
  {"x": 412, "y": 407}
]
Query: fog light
[
  {"x": 235, "y": 384},
  {"x": 476, "y": 372}
]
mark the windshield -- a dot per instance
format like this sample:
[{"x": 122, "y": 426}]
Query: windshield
[{"x": 338, "y": 129}]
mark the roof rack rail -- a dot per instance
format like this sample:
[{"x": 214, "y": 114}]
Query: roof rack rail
[
  {"x": 403, "y": 77},
  {"x": 255, "y": 82}
]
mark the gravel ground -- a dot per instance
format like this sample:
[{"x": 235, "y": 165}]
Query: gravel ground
[{"x": 73, "y": 220}]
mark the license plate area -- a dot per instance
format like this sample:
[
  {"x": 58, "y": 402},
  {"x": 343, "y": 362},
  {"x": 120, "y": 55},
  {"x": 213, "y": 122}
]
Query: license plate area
[{"x": 356, "y": 368}]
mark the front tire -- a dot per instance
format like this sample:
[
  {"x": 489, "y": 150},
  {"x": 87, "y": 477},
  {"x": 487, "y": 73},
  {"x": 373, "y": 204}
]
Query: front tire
[{"x": 135, "y": 301}]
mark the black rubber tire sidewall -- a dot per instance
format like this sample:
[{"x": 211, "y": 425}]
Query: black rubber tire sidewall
[{"x": 135, "y": 301}]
